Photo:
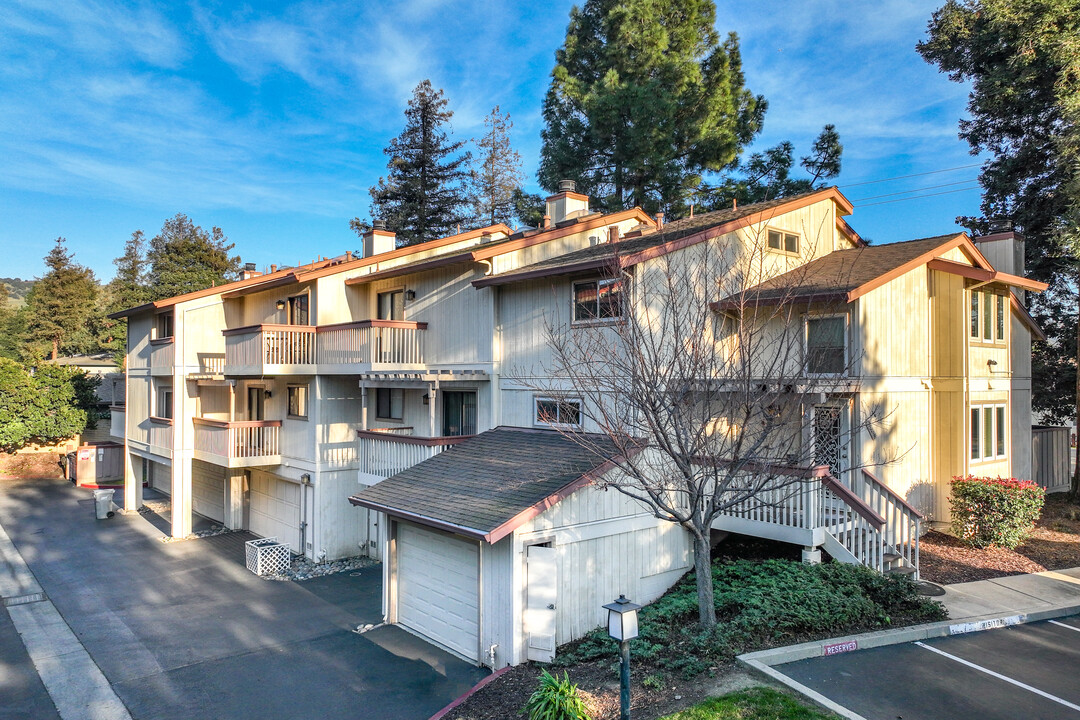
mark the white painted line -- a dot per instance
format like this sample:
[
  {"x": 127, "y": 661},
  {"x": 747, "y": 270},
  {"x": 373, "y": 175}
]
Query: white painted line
[
  {"x": 1064, "y": 625},
  {"x": 804, "y": 690},
  {"x": 999, "y": 676}
]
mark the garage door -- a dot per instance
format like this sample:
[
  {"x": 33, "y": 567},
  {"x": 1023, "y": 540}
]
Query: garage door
[
  {"x": 208, "y": 490},
  {"x": 161, "y": 477},
  {"x": 436, "y": 587},
  {"x": 274, "y": 508}
]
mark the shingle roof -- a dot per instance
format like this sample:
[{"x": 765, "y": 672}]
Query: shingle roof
[
  {"x": 598, "y": 255},
  {"x": 480, "y": 485},
  {"x": 843, "y": 271}
]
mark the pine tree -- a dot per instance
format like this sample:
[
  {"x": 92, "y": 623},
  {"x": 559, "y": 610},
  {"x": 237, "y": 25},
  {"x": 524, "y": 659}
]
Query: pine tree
[
  {"x": 184, "y": 258},
  {"x": 127, "y": 289},
  {"x": 644, "y": 97},
  {"x": 424, "y": 196},
  {"x": 61, "y": 305},
  {"x": 497, "y": 175}
]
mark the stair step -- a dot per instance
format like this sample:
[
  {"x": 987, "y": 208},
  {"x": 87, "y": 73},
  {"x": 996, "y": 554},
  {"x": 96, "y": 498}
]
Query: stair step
[
  {"x": 905, "y": 570},
  {"x": 891, "y": 557}
]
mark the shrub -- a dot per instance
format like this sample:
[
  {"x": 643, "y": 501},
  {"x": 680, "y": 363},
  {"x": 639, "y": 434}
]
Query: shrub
[
  {"x": 994, "y": 511},
  {"x": 556, "y": 699}
]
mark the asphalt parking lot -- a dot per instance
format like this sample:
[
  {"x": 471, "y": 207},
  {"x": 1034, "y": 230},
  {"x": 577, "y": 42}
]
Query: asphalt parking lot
[{"x": 1025, "y": 671}]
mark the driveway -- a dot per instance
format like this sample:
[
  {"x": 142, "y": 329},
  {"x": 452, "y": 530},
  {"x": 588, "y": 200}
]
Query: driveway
[{"x": 182, "y": 630}]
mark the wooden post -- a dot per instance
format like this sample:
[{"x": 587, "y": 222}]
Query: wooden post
[{"x": 432, "y": 393}]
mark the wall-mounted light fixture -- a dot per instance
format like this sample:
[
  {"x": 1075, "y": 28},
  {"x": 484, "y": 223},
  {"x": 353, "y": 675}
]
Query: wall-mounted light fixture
[
  {"x": 267, "y": 394},
  {"x": 427, "y": 399},
  {"x": 280, "y": 304},
  {"x": 410, "y": 295}
]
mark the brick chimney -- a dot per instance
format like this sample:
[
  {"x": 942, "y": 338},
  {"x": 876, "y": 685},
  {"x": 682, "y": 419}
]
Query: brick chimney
[
  {"x": 249, "y": 272},
  {"x": 567, "y": 203},
  {"x": 378, "y": 239}
]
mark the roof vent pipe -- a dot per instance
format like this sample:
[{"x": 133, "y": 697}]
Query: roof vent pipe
[
  {"x": 378, "y": 224},
  {"x": 659, "y": 220},
  {"x": 567, "y": 186}
]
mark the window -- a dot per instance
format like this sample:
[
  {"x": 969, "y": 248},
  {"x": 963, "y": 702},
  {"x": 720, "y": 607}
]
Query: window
[
  {"x": 298, "y": 310},
  {"x": 391, "y": 305},
  {"x": 783, "y": 241},
  {"x": 164, "y": 325},
  {"x": 598, "y": 300},
  {"x": 163, "y": 402},
  {"x": 551, "y": 411},
  {"x": 988, "y": 314},
  {"x": 826, "y": 351},
  {"x": 298, "y": 401},
  {"x": 389, "y": 403},
  {"x": 989, "y": 426}
]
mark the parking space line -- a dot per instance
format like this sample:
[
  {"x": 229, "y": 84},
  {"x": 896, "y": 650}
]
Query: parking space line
[
  {"x": 999, "y": 676},
  {"x": 1064, "y": 625}
]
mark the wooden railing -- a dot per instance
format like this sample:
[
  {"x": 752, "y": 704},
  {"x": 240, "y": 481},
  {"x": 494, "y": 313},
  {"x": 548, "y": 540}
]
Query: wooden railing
[
  {"x": 395, "y": 342},
  {"x": 239, "y": 439},
  {"x": 212, "y": 363},
  {"x": 259, "y": 345},
  {"x": 902, "y": 521},
  {"x": 161, "y": 435},
  {"x": 162, "y": 355},
  {"x": 385, "y": 454},
  {"x": 852, "y": 523}
]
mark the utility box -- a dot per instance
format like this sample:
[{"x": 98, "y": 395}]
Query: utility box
[{"x": 97, "y": 464}]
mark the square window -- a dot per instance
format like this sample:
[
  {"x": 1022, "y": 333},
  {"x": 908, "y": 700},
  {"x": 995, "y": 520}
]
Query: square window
[
  {"x": 165, "y": 325},
  {"x": 565, "y": 412},
  {"x": 784, "y": 241},
  {"x": 598, "y": 300},
  {"x": 298, "y": 401},
  {"x": 825, "y": 345},
  {"x": 389, "y": 403}
]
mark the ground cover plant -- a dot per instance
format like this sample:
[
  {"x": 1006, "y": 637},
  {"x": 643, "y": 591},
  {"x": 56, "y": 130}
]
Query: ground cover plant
[
  {"x": 994, "y": 512},
  {"x": 760, "y": 703}
]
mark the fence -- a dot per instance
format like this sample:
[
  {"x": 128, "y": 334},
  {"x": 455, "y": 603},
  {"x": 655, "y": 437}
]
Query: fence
[{"x": 1050, "y": 457}]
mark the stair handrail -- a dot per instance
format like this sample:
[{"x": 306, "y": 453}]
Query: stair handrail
[
  {"x": 903, "y": 532},
  {"x": 892, "y": 494},
  {"x": 853, "y": 501}
]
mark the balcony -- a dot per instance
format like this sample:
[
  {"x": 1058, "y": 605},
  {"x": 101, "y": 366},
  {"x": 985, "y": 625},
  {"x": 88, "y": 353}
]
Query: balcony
[
  {"x": 160, "y": 436},
  {"x": 161, "y": 356},
  {"x": 372, "y": 345},
  {"x": 385, "y": 453},
  {"x": 270, "y": 350},
  {"x": 251, "y": 443}
]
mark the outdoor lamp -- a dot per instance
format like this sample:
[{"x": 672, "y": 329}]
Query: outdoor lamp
[
  {"x": 410, "y": 295},
  {"x": 280, "y": 304},
  {"x": 622, "y": 626}
]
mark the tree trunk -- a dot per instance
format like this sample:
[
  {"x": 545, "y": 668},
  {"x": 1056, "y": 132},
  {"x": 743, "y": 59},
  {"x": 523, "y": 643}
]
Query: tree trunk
[
  {"x": 55, "y": 348},
  {"x": 703, "y": 571},
  {"x": 1074, "y": 491}
]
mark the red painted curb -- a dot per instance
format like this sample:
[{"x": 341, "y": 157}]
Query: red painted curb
[{"x": 439, "y": 715}]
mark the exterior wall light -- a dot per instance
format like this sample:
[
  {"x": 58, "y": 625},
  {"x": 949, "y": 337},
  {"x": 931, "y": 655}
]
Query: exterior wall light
[
  {"x": 410, "y": 295},
  {"x": 623, "y": 627},
  {"x": 280, "y": 304}
]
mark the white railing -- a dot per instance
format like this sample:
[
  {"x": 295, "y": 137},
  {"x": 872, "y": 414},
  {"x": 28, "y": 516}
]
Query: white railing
[
  {"x": 852, "y": 523},
  {"x": 392, "y": 342},
  {"x": 162, "y": 355},
  {"x": 212, "y": 363},
  {"x": 384, "y": 454},
  {"x": 902, "y": 521},
  {"x": 789, "y": 503},
  {"x": 260, "y": 345},
  {"x": 238, "y": 440}
]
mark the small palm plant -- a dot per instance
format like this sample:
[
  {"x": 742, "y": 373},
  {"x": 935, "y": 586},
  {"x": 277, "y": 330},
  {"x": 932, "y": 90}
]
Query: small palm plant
[{"x": 556, "y": 699}]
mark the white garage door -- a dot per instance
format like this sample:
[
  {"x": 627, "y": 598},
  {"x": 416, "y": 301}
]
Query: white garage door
[
  {"x": 274, "y": 506},
  {"x": 208, "y": 490},
  {"x": 437, "y": 587}
]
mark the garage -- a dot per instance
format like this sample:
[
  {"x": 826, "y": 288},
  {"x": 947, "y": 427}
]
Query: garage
[
  {"x": 208, "y": 490},
  {"x": 274, "y": 508},
  {"x": 160, "y": 477},
  {"x": 437, "y": 587}
]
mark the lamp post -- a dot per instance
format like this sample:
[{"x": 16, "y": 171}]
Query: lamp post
[{"x": 623, "y": 627}]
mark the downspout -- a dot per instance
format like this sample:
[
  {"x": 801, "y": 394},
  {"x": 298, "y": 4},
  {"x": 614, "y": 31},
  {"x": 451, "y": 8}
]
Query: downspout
[{"x": 305, "y": 483}]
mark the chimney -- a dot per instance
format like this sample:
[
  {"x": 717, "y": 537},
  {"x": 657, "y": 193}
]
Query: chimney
[
  {"x": 659, "y": 221},
  {"x": 613, "y": 233},
  {"x": 378, "y": 239},
  {"x": 348, "y": 255},
  {"x": 249, "y": 271},
  {"x": 567, "y": 203},
  {"x": 273, "y": 268}
]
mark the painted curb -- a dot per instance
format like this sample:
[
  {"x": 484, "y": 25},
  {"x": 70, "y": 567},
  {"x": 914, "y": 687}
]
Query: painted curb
[{"x": 468, "y": 693}]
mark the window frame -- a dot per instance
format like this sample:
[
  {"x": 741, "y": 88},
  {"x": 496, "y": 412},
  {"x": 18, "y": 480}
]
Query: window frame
[
  {"x": 988, "y": 439},
  {"x": 398, "y": 290},
  {"x": 807, "y": 319},
  {"x": 538, "y": 421},
  {"x": 164, "y": 321},
  {"x": 784, "y": 235},
  {"x": 163, "y": 408},
  {"x": 390, "y": 404},
  {"x": 291, "y": 390},
  {"x": 598, "y": 282},
  {"x": 291, "y": 303},
  {"x": 984, "y": 328}
]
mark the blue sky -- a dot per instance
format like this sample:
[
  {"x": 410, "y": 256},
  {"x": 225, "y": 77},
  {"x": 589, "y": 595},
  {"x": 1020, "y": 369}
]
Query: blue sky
[{"x": 269, "y": 119}]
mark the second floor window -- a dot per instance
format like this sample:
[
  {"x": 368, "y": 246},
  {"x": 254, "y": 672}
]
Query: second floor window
[
  {"x": 565, "y": 412},
  {"x": 163, "y": 403},
  {"x": 783, "y": 241},
  {"x": 389, "y": 403},
  {"x": 165, "y": 325},
  {"x": 988, "y": 314},
  {"x": 298, "y": 310},
  {"x": 391, "y": 305},
  {"x": 598, "y": 300},
  {"x": 298, "y": 401},
  {"x": 826, "y": 347}
]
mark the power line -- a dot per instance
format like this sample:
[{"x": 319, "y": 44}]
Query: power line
[
  {"x": 902, "y": 177},
  {"x": 928, "y": 187},
  {"x": 916, "y": 197}
]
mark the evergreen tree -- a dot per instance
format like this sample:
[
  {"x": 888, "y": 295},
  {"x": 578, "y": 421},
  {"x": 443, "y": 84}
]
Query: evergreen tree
[
  {"x": 424, "y": 196},
  {"x": 529, "y": 208},
  {"x": 645, "y": 97},
  {"x": 497, "y": 175},
  {"x": 126, "y": 290},
  {"x": 61, "y": 305},
  {"x": 1022, "y": 60},
  {"x": 184, "y": 258}
]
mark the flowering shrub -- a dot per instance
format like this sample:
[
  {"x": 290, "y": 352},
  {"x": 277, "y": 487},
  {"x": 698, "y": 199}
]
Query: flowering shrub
[{"x": 994, "y": 511}]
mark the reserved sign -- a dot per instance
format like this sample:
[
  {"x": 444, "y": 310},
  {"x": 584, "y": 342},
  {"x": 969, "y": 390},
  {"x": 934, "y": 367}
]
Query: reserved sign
[{"x": 837, "y": 648}]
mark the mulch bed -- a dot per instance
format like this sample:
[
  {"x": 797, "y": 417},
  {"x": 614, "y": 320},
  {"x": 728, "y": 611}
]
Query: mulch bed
[{"x": 1054, "y": 545}]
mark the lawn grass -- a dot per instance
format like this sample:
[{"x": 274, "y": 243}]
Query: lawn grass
[{"x": 760, "y": 703}]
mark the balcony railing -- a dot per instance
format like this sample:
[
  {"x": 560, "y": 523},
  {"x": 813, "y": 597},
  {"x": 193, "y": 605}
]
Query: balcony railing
[
  {"x": 238, "y": 444},
  {"x": 372, "y": 342},
  {"x": 383, "y": 454},
  {"x": 250, "y": 349},
  {"x": 160, "y": 436},
  {"x": 162, "y": 354}
]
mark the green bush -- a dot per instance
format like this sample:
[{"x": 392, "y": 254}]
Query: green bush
[
  {"x": 994, "y": 511},
  {"x": 39, "y": 408},
  {"x": 555, "y": 699}
]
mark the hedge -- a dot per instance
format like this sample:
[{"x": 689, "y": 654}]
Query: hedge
[{"x": 994, "y": 511}]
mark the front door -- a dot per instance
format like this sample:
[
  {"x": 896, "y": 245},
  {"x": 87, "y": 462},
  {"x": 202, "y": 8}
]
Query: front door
[
  {"x": 831, "y": 438},
  {"x": 540, "y": 602},
  {"x": 255, "y": 403},
  {"x": 459, "y": 413}
]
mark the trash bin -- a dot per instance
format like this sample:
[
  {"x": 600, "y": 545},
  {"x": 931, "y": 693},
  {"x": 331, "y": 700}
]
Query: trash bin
[{"x": 103, "y": 503}]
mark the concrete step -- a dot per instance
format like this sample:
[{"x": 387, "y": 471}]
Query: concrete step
[{"x": 903, "y": 570}]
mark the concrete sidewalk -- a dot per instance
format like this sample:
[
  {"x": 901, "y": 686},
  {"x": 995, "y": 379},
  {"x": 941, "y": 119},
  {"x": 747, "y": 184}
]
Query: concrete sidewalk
[{"x": 1012, "y": 595}]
